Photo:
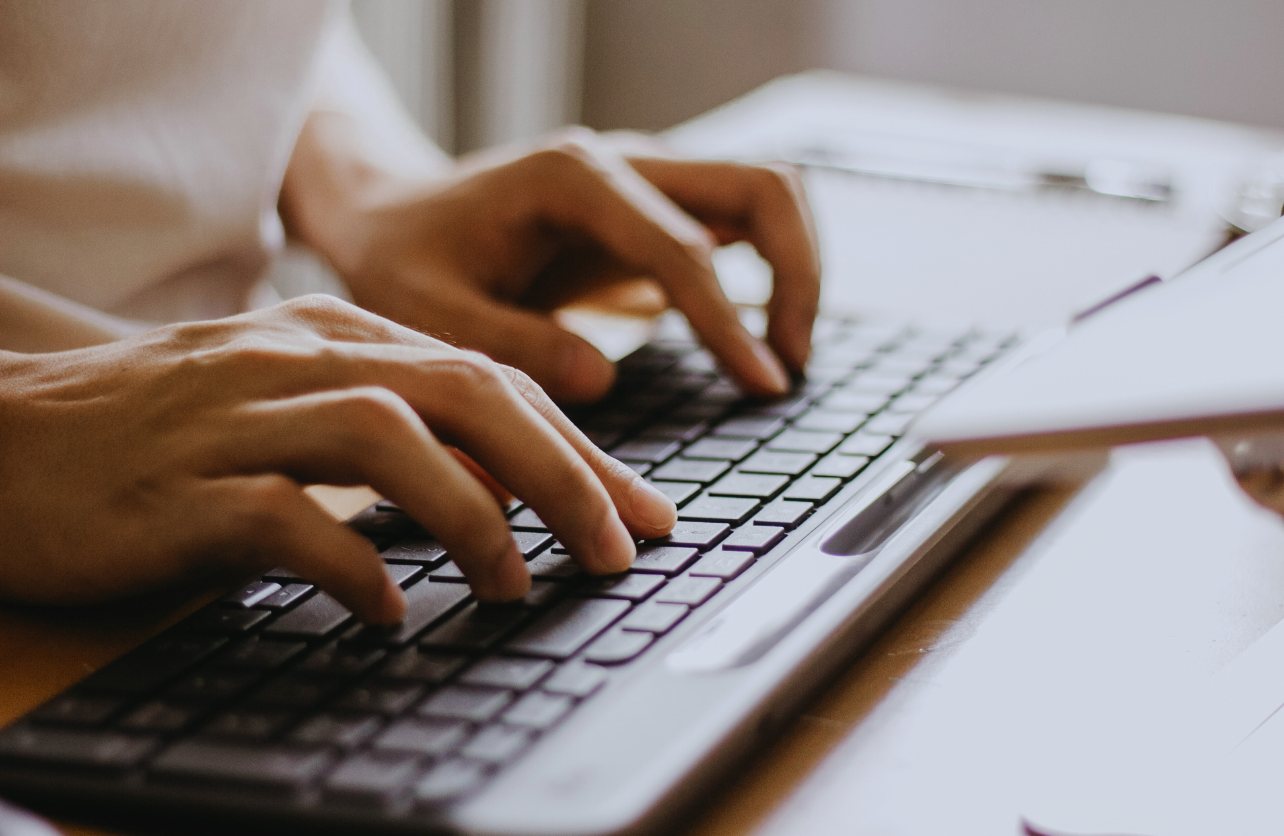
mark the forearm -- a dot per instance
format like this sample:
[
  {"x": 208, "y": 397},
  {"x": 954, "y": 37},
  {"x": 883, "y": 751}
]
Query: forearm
[{"x": 35, "y": 321}]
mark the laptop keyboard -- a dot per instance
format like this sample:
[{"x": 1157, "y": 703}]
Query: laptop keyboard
[{"x": 275, "y": 688}]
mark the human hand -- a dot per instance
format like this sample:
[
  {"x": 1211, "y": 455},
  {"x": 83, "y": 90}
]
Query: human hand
[
  {"x": 184, "y": 450},
  {"x": 482, "y": 256}
]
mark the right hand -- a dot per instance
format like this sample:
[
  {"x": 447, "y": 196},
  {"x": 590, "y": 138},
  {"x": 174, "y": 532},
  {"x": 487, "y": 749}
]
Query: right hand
[{"x": 184, "y": 450}]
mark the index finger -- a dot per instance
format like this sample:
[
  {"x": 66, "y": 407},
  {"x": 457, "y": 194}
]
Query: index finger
[
  {"x": 579, "y": 186},
  {"x": 765, "y": 205}
]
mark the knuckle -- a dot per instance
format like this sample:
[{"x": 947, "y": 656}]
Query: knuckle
[
  {"x": 471, "y": 374},
  {"x": 320, "y": 307},
  {"x": 372, "y": 412}
]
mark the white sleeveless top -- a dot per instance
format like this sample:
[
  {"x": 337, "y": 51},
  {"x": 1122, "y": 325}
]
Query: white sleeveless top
[{"x": 143, "y": 143}]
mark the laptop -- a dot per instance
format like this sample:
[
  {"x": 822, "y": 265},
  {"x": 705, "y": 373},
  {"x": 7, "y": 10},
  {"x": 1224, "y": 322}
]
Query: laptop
[{"x": 597, "y": 704}]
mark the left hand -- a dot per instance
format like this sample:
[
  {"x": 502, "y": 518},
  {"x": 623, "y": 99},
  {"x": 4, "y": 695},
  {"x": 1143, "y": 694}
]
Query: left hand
[{"x": 481, "y": 256}]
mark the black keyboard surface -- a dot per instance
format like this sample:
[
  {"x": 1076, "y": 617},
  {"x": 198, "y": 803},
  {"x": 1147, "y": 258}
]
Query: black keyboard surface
[{"x": 276, "y": 688}]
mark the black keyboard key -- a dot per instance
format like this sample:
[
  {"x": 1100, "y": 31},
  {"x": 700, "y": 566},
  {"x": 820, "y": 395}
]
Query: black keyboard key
[
  {"x": 679, "y": 492},
  {"x": 701, "y": 535},
  {"x": 281, "y": 768},
  {"x": 864, "y": 444},
  {"x": 538, "y": 710},
  {"x": 507, "y": 672},
  {"x": 153, "y": 663},
  {"x": 527, "y": 520},
  {"x": 422, "y": 550},
  {"x": 798, "y": 441},
  {"x": 667, "y": 560},
  {"x": 831, "y": 422},
  {"x": 756, "y": 485},
  {"x": 575, "y": 679},
  {"x": 642, "y": 450},
  {"x": 371, "y": 779},
  {"x": 448, "y": 572},
  {"x": 726, "y": 449},
  {"x": 159, "y": 716},
  {"x": 692, "y": 590},
  {"x": 783, "y": 512},
  {"x": 691, "y": 470},
  {"x": 719, "y": 509},
  {"x": 554, "y": 566},
  {"x": 570, "y": 625},
  {"x": 723, "y": 564},
  {"x": 413, "y": 665},
  {"x": 224, "y": 621},
  {"x": 403, "y": 574},
  {"x": 381, "y": 698},
  {"x": 287, "y": 596},
  {"x": 529, "y": 543},
  {"x": 341, "y": 660},
  {"x": 632, "y": 587},
  {"x": 541, "y": 594},
  {"x": 426, "y": 602},
  {"x": 617, "y": 646},
  {"x": 676, "y": 431},
  {"x": 382, "y": 524},
  {"x": 281, "y": 575},
  {"x": 346, "y": 731},
  {"x": 460, "y": 702},
  {"x": 654, "y": 617},
  {"x": 212, "y": 685},
  {"x": 770, "y": 461},
  {"x": 847, "y": 400},
  {"x": 699, "y": 412},
  {"x": 250, "y": 595},
  {"x": 261, "y": 654},
  {"x": 315, "y": 618},
  {"x": 756, "y": 427},
  {"x": 754, "y": 538},
  {"x": 496, "y": 744},
  {"x": 840, "y": 466},
  {"x": 447, "y": 781},
  {"x": 78, "y": 709},
  {"x": 294, "y": 690},
  {"x": 435, "y": 738},
  {"x": 813, "y": 489},
  {"x": 248, "y": 724},
  {"x": 83, "y": 748},
  {"x": 476, "y": 627}
]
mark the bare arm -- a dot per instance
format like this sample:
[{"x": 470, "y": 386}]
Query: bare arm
[{"x": 34, "y": 320}]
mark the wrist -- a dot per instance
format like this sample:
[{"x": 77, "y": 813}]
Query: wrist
[{"x": 333, "y": 190}]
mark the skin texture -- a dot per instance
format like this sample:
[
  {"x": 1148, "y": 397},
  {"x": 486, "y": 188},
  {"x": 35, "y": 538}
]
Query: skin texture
[
  {"x": 481, "y": 255},
  {"x": 183, "y": 451}
]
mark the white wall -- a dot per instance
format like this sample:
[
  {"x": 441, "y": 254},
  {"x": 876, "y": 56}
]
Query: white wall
[
  {"x": 650, "y": 63},
  {"x": 1217, "y": 58}
]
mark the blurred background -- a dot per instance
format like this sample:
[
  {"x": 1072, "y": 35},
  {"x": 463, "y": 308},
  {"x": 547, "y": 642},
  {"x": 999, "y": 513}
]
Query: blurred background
[{"x": 478, "y": 72}]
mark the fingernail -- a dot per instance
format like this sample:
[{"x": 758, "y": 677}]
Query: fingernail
[
  {"x": 653, "y": 507},
  {"x": 777, "y": 378},
  {"x": 615, "y": 548},
  {"x": 392, "y": 607}
]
